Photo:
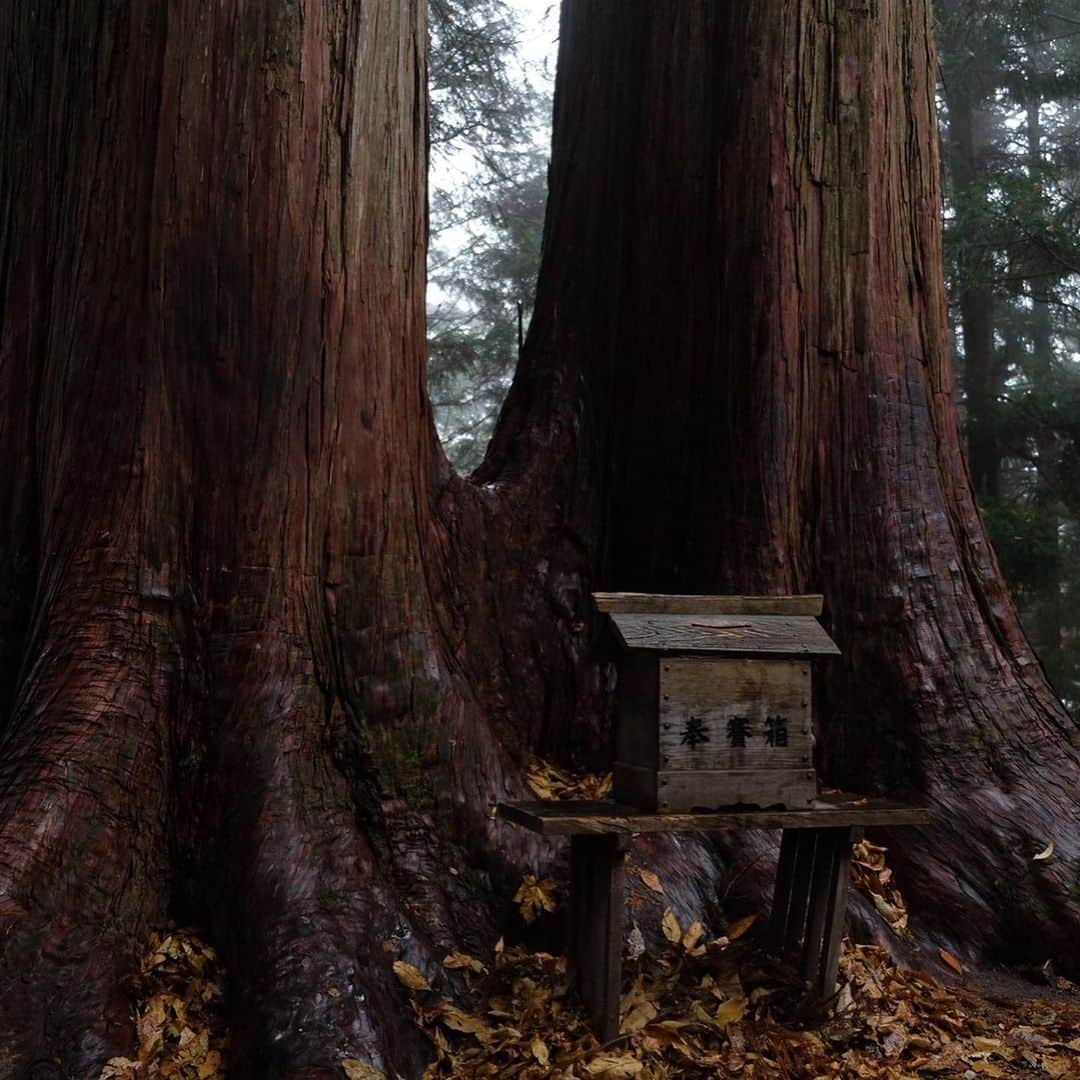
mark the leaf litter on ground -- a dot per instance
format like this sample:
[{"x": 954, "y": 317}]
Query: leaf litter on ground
[
  {"x": 705, "y": 1007},
  {"x": 178, "y": 1001},
  {"x": 716, "y": 1008}
]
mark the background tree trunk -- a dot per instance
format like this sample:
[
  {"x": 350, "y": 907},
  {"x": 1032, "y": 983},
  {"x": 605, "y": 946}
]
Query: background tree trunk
[
  {"x": 967, "y": 151},
  {"x": 1047, "y": 628},
  {"x": 968, "y": 77},
  {"x": 274, "y": 660}
]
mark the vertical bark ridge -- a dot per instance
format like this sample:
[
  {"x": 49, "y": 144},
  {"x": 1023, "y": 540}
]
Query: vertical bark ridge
[{"x": 83, "y": 873}]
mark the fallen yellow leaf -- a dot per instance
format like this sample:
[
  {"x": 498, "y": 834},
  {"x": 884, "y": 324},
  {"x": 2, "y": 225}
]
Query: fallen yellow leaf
[
  {"x": 540, "y": 1051},
  {"x": 463, "y": 960},
  {"x": 614, "y": 1066},
  {"x": 731, "y": 1011},
  {"x": 540, "y": 786},
  {"x": 692, "y": 936},
  {"x": 211, "y": 1067},
  {"x": 739, "y": 927},
  {"x": 361, "y": 1070},
  {"x": 641, "y": 1014},
  {"x": 952, "y": 961},
  {"x": 1057, "y": 1067},
  {"x": 651, "y": 881},
  {"x": 534, "y": 896},
  {"x": 896, "y": 917},
  {"x": 458, "y": 1020},
  {"x": 412, "y": 977},
  {"x": 120, "y": 1068},
  {"x": 670, "y": 925}
]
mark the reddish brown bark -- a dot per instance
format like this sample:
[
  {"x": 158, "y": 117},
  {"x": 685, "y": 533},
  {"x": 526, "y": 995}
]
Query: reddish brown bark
[
  {"x": 216, "y": 453},
  {"x": 743, "y": 275},
  {"x": 267, "y": 661}
]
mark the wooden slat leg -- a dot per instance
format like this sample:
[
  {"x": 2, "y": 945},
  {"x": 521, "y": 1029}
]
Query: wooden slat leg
[
  {"x": 781, "y": 901},
  {"x": 822, "y": 891},
  {"x": 795, "y": 920},
  {"x": 836, "y": 915},
  {"x": 598, "y": 887}
]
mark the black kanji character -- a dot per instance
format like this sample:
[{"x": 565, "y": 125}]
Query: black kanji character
[
  {"x": 776, "y": 732},
  {"x": 738, "y": 728},
  {"x": 694, "y": 732}
]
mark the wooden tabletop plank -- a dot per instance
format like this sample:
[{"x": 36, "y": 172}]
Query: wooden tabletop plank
[{"x": 833, "y": 811}]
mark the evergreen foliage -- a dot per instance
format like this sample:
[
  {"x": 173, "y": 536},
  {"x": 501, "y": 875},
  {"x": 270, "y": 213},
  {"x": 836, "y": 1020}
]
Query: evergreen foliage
[
  {"x": 489, "y": 127},
  {"x": 1010, "y": 79}
]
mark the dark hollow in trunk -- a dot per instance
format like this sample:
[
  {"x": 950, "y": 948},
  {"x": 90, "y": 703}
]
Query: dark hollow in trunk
[{"x": 266, "y": 660}]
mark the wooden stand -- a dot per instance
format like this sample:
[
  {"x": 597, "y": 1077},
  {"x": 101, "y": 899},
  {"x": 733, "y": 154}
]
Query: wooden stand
[{"x": 809, "y": 900}]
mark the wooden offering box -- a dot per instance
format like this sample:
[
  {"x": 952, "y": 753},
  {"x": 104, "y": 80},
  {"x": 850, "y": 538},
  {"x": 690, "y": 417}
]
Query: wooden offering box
[{"x": 714, "y": 700}]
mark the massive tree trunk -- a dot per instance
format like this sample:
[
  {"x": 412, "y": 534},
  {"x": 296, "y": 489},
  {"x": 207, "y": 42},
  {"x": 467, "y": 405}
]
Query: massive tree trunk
[
  {"x": 740, "y": 337},
  {"x": 267, "y": 661},
  {"x": 224, "y": 670}
]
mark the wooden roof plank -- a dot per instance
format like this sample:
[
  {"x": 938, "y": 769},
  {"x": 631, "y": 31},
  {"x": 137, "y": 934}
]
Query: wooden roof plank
[
  {"x": 672, "y": 604},
  {"x": 732, "y": 635}
]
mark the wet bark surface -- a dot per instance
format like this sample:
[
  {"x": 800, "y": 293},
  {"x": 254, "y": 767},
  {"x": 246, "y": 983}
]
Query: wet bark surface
[{"x": 267, "y": 662}]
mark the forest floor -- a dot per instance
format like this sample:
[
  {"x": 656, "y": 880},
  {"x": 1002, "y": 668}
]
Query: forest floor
[
  {"x": 697, "y": 1007},
  {"x": 717, "y": 1008}
]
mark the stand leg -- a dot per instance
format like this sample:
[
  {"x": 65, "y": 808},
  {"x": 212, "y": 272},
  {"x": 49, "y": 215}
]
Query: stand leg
[
  {"x": 827, "y": 910},
  {"x": 781, "y": 899},
  {"x": 792, "y": 892},
  {"x": 598, "y": 887},
  {"x": 836, "y": 914},
  {"x": 821, "y": 897}
]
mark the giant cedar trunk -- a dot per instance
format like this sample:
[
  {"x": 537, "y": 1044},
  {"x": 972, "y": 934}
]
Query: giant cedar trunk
[
  {"x": 217, "y": 462},
  {"x": 740, "y": 337},
  {"x": 267, "y": 661}
]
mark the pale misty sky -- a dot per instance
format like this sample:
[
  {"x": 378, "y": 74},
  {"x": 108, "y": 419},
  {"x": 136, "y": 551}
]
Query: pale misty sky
[{"x": 540, "y": 21}]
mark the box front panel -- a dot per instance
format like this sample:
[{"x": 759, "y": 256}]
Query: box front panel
[
  {"x": 684, "y": 790},
  {"x": 734, "y": 715}
]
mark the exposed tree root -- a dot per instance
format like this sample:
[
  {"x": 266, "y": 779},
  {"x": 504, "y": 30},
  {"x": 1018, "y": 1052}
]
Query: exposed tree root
[{"x": 83, "y": 805}]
